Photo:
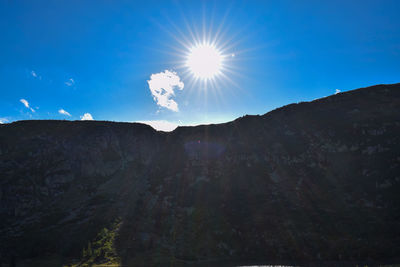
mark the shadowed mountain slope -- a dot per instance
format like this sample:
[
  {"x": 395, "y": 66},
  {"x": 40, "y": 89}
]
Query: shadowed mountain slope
[{"x": 311, "y": 181}]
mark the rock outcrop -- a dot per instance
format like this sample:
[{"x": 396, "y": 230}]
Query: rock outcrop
[{"x": 310, "y": 181}]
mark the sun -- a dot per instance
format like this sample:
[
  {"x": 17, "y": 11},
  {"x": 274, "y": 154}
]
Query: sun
[{"x": 204, "y": 61}]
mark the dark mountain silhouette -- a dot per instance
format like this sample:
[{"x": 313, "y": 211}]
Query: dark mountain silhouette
[{"x": 314, "y": 181}]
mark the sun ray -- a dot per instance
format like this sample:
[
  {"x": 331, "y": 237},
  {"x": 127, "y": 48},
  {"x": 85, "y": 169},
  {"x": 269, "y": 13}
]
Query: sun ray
[{"x": 207, "y": 56}]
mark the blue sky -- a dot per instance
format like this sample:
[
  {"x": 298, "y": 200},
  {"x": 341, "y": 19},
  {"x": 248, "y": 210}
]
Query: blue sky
[{"x": 70, "y": 58}]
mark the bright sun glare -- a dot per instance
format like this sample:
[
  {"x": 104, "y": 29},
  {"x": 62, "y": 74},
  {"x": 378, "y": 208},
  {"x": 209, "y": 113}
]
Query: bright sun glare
[{"x": 204, "y": 61}]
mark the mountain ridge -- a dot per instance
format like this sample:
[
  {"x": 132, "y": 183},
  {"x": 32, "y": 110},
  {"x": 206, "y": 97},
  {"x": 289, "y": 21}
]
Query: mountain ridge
[
  {"x": 310, "y": 181},
  {"x": 352, "y": 91}
]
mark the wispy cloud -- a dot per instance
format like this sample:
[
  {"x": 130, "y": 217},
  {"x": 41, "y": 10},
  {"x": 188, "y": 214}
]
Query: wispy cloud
[
  {"x": 64, "y": 112},
  {"x": 35, "y": 75},
  {"x": 70, "y": 82},
  {"x": 337, "y": 91},
  {"x": 161, "y": 125},
  {"x": 26, "y": 104},
  {"x": 3, "y": 120},
  {"x": 86, "y": 117},
  {"x": 162, "y": 86}
]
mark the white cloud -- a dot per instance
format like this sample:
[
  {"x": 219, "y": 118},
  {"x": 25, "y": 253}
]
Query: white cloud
[
  {"x": 70, "y": 82},
  {"x": 337, "y": 91},
  {"x": 35, "y": 75},
  {"x": 26, "y": 104},
  {"x": 86, "y": 117},
  {"x": 161, "y": 125},
  {"x": 162, "y": 86},
  {"x": 64, "y": 112},
  {"x": 3, "y": 120}
]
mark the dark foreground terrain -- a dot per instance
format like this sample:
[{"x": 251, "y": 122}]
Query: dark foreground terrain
[{"x": 314, "y": 181}]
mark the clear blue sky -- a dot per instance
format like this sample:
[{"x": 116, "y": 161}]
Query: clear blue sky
[{"x": 97, "y": 56}]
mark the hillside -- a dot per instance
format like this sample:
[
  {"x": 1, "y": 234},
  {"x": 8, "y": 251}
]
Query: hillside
[{"x": 314, "y": 181}]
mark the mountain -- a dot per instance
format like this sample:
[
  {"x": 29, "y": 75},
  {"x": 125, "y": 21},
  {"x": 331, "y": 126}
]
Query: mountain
[{"x": 313, "y": 181}]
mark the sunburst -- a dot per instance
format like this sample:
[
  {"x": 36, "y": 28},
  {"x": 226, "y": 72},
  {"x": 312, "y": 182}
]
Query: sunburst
[{"x": 205, "y": 61}]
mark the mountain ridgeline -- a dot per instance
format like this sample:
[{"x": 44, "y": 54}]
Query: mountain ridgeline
[{"x": 313, "y": 181}]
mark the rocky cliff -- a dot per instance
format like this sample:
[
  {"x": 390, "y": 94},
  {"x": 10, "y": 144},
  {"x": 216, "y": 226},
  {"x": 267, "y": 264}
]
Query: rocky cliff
[{"x": 310, "y": 181}]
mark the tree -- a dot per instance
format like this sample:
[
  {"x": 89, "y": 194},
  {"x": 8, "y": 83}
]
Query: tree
[{"x": 89, "y": 250}]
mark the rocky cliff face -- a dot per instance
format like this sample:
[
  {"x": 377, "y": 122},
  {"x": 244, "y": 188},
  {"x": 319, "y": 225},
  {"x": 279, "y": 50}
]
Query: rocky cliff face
[{"x": 311, "y": 181}]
